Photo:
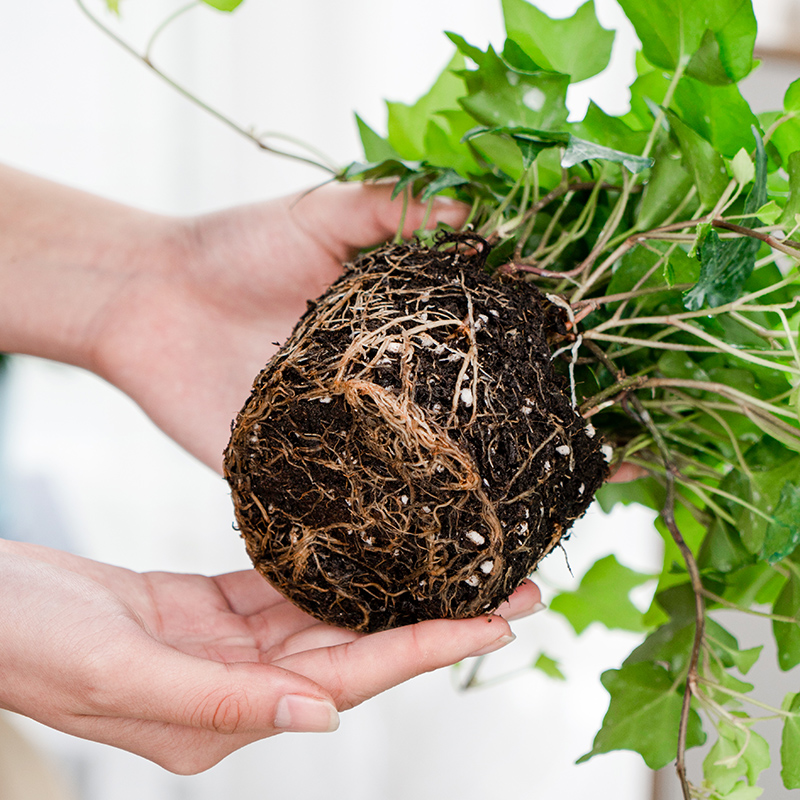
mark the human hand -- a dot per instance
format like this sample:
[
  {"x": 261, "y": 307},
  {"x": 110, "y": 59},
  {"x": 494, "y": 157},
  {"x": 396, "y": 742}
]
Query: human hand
[
  {"x": 184, "y": 669},
  {"x": 186, "y": 337}
]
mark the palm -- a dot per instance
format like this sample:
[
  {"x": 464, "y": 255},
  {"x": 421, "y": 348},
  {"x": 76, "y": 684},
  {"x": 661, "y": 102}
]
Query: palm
[
  {"x": 186, "y": 341},
  {"x": 229, "y": 618}
]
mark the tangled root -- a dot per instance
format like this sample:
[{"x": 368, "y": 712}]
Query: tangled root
[{"x": 410, "y": 452}]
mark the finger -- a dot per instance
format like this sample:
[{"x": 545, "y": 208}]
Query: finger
[
  {"x": 366, "y": 214},
  {"x": 526, "y": 600},
  {"x": 367, "y": 666},
  {"x": 165, "y": 685},
  {"x": 627, "y": 472}
]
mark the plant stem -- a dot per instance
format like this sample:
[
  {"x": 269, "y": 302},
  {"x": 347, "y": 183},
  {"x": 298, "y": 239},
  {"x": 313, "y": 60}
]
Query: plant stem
[{"x": 198, "y": 102}]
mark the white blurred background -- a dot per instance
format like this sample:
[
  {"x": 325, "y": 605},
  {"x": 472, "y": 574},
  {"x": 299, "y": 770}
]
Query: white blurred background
[{"x": 84, "y": 470}]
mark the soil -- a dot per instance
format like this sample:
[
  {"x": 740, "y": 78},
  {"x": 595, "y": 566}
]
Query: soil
[{"x": 411, "y": 453}]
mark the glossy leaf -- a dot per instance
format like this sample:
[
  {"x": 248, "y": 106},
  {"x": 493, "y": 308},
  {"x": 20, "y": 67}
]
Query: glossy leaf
[
  {"x": 577, "y": 46},
  {"x": 674, "y": 32},
  {"x": 643, "y": 715},
  {"x": 580, "y": 150},
  {"x": 726, "y": 266}
]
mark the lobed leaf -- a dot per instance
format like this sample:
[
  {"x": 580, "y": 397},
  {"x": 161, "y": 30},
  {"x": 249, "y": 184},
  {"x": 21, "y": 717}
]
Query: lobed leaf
[
  {"x": 713, "y": 40},
  {"x": 577, "y": 46},
  {"x": 738, "y": 753},
  {"x": 603, "y": 597},
  {"x": 643, "y": 715}
]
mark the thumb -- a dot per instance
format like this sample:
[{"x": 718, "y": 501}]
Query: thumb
[
  {"x": 347, "y": 217},
  {"x": 240, "y": 698}
]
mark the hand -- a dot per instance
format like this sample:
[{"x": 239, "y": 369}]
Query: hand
[
  {"x": 184, "y": 669},
  {"x": 198, "y": 321}
]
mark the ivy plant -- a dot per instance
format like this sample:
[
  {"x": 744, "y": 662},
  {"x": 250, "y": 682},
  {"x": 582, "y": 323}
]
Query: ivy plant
[{"x": 666, "y": 236}]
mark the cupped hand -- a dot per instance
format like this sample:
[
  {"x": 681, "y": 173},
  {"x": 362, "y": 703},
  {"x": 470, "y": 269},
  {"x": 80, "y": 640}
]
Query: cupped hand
[
  {"x": 199, "y": 317},
  {"x": 185, "y": 669}
]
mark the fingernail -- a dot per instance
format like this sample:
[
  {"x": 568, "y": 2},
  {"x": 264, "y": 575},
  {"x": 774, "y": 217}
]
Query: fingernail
[
  {"x": 538, "y": 607},
  {"x": 296, "y": 712},
  {"x": 496, "y": 645}
]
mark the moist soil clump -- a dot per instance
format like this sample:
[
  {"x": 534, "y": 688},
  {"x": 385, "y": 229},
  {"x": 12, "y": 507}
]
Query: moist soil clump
[{"x": 410, "y": 453}]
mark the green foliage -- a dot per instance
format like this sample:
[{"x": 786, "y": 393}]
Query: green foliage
[
  {"x": 790, "y": 742},
  {"x": 661, "y": 221},
  {"x": 643, "y": 715},
  {"x": 603, "y": 597},
  {"x": 549, "y": 667}
]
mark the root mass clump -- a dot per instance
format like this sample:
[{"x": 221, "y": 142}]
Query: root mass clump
[{"x": 410, "y": 453}]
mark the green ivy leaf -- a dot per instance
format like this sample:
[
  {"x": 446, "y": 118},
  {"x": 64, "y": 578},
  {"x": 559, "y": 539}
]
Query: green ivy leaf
[
  {"x": 643, "y": 715},
  {"x": 737, "y": 753},
  {"x": 577, "y": 46},
  {"x": 529, "y": 141},
  {"x": 407, "y": 124},
  {"x": 223, "y": 5},
  {"x": 549, "y": 666},
  {"x": 792, "y": 208},
  {"x": 580, "y": 150},
  {"x": 376, "y": 148},
  {"x": 700, "y": 160},
  {"x": 718, "y": 113},
  {"x": 790, "y": 742},
  {"x": 499, "y": 96},
  {"x": 446, "y": 179},
  {"x": 783, "y": 532},
  {"x": 673, "y": 31},
  {"x": 603, "y": 597},
  {"x": 725, "y": 266},
  {"x": 787, "y": 634}
]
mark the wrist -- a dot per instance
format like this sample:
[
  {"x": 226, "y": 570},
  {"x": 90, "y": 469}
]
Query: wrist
[{"x": 65, "y": 257}]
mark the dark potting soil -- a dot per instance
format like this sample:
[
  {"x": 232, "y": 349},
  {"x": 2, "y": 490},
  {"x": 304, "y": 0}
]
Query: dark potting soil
[{"x": 410, "y": 453}]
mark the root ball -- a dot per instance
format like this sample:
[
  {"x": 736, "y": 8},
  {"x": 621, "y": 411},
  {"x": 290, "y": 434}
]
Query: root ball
[{"x": 410, "y": 453}]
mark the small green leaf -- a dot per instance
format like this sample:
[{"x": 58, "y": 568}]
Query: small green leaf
[
  {"x": 769, "y": 212},
  {"x": 783, "y": 532},
  {"x": 603, "y": 597},
  {"x": 790, "y": 742},
  {"x": 113, "y": 6},
  {"x": 580, "y": 150},
  {"x": 667, "y": 188},
  {"x": 737, "y": 753},
  {"x": 407, "y": 124},
  {"x": 643, "y": 715},
  {"x": 446, "y": 179},
  {"x": 725, "y": 266},
  {"x": 549, "y": 666},
  {"x": 742, "y": 167},
  {"x": 700, "y": 160},
  {"x": 376, "y": 148},
  {"x": 223, "y": 5},
  {"x": 577, "y": 46},
  {"x": 792, "y": 208},
  {"x": 787, "y": 634}
]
